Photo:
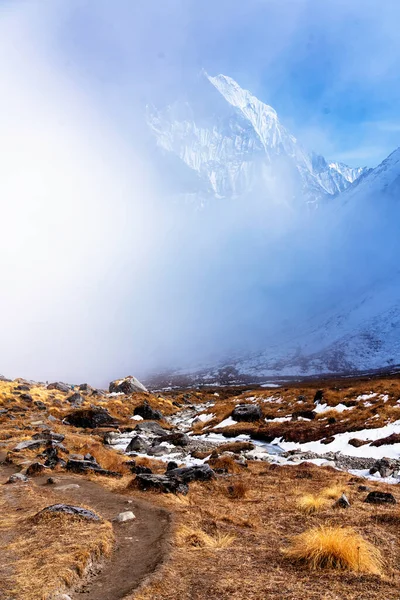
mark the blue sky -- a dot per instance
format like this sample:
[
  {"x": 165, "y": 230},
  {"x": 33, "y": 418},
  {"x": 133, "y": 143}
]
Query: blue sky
[{"x": 329, "y": 67}]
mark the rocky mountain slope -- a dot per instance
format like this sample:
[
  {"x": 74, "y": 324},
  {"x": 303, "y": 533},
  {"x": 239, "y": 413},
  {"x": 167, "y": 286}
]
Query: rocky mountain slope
[{"x": 236, "y": 145}]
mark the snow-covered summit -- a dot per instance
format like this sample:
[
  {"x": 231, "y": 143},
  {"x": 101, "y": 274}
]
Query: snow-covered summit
[{"x": 236, "y": 144}]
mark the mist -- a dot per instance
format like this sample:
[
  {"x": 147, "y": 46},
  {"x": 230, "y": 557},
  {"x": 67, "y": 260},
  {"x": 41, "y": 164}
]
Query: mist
[{"x": 103, "y": 275}]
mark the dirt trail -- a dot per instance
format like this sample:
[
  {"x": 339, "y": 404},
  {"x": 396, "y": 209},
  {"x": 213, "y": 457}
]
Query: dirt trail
[{"x": 140, "y": 547}]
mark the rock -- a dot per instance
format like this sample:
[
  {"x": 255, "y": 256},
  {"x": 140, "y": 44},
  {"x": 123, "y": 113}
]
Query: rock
[
  {"x": 84, "y": 387},
  {"x": 342, "y": 502},
  {"x": 328, "y": 440},
  {"x": 151, "y": 426},
  {"x": 141, "y": 469},
  {"x": 146, "y": 412},
  {"x": 40, "y": 405},
  {"x": 380, "y": 498},
  {"x": 391, "y": 439},
  {"x": 50, "y": 453},
  {"x": 69, "y": 486},
  {"x": 52, "y": 480},
  {"x": 67, "y": 509},
  {"x": 363, "y": 488},
  {"x": 356, "y": 443},
  {"x": 125, "y": 516},
  {"x": 76, "y": 400},
  {"x": 384, "y": 466},
  {"x": 128, "y": 385},
  {"x": 58, "y": 385},
  {"x": 137, "y": 444},
  {"x": 26, "y": 397},
  {"x": 319, "y": 394},
  {"x": 158, "y": 450},
  {"x": 247, "y": 413},
  {"x": 176, "y": 439},
  {"x": 17, "y": 477},
  {"x": 304, "y": 414},
  {"x": 30, "y": 445},
  {"x": 23, "y": 387},
  {"x": 111, "y": 438},
  {"x": 162, "y": 483},
  {"x": 84, "y": 466},
  {"x": 49, "y": 436},
  {"x": 172, "y": 465},
  {"x": 35, "y": 469},
  {"x": 90, "y": 418},
  {"x": 195, "y": 473}
]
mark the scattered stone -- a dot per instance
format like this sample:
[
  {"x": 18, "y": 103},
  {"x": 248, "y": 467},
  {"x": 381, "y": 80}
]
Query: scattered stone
[
  {"x": 111, "y": 437},
  {"x": 146, "y": 412},
  {"x": 384, "y": 466},
  {"x": 76, "y": 400},
  {"x": 158, "y": 450},
  {"x": 26, "y": 397},
  {"x": 342, "y": 502},
  {"x": 58, "y": 385},
  {"x": 128, "y": 385},
  {"x": 195, "y": 473},
  {"x": 49, "y": 436},
  {"x": 176, "y": 439},
  {"x": 35, "y": 469},
  {"x": 172, "y": 465},
  {"x": 84, "y": 466},
  {"x": 304, "y": 414},
  {"x": 50, "y": 453},
  {"x": 84, "y": 387},
  {"x": 151, "y": 426},
  {"x": 40, "y": 405},
  {"x": 380, "y": 498},
  {"x": 141, "y": 469},
  {"x": 161, "y": 483},
  {"x": 363, "y": 488},
  {"x": 90, "y": 418},
  {"x": 67, "y": 487},
  {"x": 17, "y": 477},
  {"x": 125, "y": 516},
  {"x": 138, "y": 444},
  {"x": 356, "y": 443},
  {"x": 29, "y": 445},
  {"x": 247, "y": 413},
  {"x": 67, "y": 509},
  {"x": 23, "y": 387}
]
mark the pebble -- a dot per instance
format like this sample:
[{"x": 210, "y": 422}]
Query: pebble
[{"x": 125, "y": 516}]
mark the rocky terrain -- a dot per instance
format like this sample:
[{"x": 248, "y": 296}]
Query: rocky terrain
[{"x": 127, "y": 493}]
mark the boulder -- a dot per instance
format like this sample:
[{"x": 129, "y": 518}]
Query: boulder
[
  {"x": 17, "y": 477},
  {"x": 40, "y": 405},
  {"x": 26, "y": 397},
  {"x": 195, "y": 473},
  {"x": 176, "y": 439},
  {"x": 342, "y": 502},
  {"x": 76, "y": 400},
  {"x": 49, "y": 436},
  {"x": 171, "y": 465},
  {"x": 380, "y": 498},
  {"x": 30, "y": 444},
  {"x": 384, "y": 466},
  {"x": 85, "y": 466},
  {"x": 328, "y": 440},
  {"x": 146, "y": 412},
  {"x": 67, "y": 509},
  {"x": 125, "y": 516},
  {"x": 23, "y": 387},
  {"x": 161, "y": 483},
  {"x": 356, "y": 443},
  {"x": 128, "y": 385},
  {"x": 137, "y": 444},
  {"x": 58, "y": 385},
  {"x": 152, "y": 427},
  {"x": 158, "y": 450},
  {"x": 90, "y": 418},
  {"x": 247, "y": 412},
  {"x": 84, "y": 387}
]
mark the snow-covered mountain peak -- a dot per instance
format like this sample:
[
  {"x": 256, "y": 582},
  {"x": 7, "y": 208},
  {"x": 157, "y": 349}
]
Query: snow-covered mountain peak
[{"x": 238, "y": 96}]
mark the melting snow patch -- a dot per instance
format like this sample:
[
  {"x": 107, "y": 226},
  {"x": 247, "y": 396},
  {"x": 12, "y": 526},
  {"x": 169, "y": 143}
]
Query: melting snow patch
[
  {"x": 137, "y": 418},
  {"x": 205, "y": 417},
  {"x": 366, "y": 396},
  {"x": 226, "y": 423},
  {"x": 321, "y": 408}
]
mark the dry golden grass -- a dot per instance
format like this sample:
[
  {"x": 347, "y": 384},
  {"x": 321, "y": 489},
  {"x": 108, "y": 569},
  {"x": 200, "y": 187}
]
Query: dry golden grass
[
  {"x": 310, "y": 504},
  {"x": 196, "y": 538},
  {"x": 334, "y": 491},
  {"x": 237, "y": 490},
  {"x": 333, "y": 547}
]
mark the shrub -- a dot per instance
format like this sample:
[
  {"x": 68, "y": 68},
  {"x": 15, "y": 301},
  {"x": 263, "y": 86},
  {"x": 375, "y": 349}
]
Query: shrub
[
  {"x": 310, "y": 504},
  {"x": 197, "y": 538},
  {"x": 237, "y": 490},
  {"x": 334, "y": 547}
]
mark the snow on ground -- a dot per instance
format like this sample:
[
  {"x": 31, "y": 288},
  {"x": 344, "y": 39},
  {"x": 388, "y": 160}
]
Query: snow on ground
[
  {"x": 366, "y": 396},
  {"x": 270, "y": 385},
  {"x": 204, "y": 417},
  {"x": 278, "y": 419},
  {"x": 226, "y": 423},
  {"x": 341, "y": 443},
  {"x": 321, "y": 408}
]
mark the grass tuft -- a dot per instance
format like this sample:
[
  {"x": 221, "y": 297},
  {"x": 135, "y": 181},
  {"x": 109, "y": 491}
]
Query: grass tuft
[
  {"x": 310, "y": 504},
  {"x": 334, "y": 547}
]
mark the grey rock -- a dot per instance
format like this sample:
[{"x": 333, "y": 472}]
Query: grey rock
[
  {"x": 151, "y": 426},
  {"x": 30, "y": 445},
  {"x": 128, "y": 385},
  {"x": 177, "y": 439},
  {"x": 71, "y": 510},
  {"x": 137, "y": 444},
  {"x": 194, "y": 473},
  {"x": 58, "y": 385},
  {"x": 161, "y": 483},
  {"x": 342, "y": 502},
  {"x": 90, "y": 418},
  {"x": 247, "y": 413},
  {"x": 67, "y": 487},
  {"x": 125, "y": 516},
  {"x": 147, "y": 412},
  {"x": 380, "y": 498},
  {"x": 76, "y": 400},
  {"x": 17, "y": 478}
]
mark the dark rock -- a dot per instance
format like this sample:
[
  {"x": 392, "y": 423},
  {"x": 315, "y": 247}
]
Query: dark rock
[
  {"x": 161, "y": 483},
  {"x": 141, "y": 469},
  {"x": 23, "y": 388},
  {"x": 35, "y": 469},
  {"x": 49, "y": 436},
  {"x": 195, "y": 473},
  {"x": 137, "y": 444},
  {"x": 177, "y": 439},
  {"x": 331, "y": 420},
  {"x": 67, "y": 509},
  {"x": 356, "y": 443},
  {"x": 58, "y": 385},
  {"x": 304, "y": 414},
  {"x": 151, "y": 426},
  {"x": 385, "y": 466},
  {"x": 319, "y": 394},
  {"x": 380, "y": 498},
  {"x": 26, "y": 397},
  {"x": 52, "y": 481},
  {"x": 328, "y": 440},
  {"x": 128, "y": 385},
  {"x": 40, "y": 405},
  {"x": 247, "y": 413},
  {"x": 146, "y": 412},
  {"x": 172, "y": 465},
  {"x": 76, "y": 400},
  {"x": 90, "y": 418},
  {"x": 301, "y": 398},
  {"x": 342, "y": 502},
  {"x": 84, "y": 387},
  {"x": 363, "y": 488},
  {"x": 85, "y": 466},
  {"x": 50, "y": 454},
  {"x": 391, "y": 439},
  {"x": 17, "y": 478}
]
